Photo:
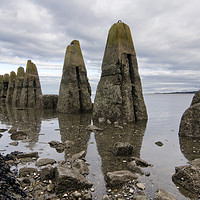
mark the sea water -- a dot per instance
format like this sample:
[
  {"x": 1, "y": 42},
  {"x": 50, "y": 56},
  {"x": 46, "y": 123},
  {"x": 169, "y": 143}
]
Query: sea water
[{"x": 164, "y": 115}]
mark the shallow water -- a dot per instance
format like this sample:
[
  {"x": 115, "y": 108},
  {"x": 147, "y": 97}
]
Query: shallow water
[{"x": 164, "y": 113}]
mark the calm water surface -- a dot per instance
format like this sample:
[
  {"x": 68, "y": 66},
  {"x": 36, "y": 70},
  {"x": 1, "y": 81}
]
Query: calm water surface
[{"x": 164, "y": 113}]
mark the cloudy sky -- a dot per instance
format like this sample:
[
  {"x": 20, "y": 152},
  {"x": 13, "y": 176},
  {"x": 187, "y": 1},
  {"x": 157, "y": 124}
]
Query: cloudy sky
[{"x": 166, "y": 36}]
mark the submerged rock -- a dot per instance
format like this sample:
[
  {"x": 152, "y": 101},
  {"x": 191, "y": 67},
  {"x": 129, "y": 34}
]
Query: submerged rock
[
  {"x": 122, "y": 149},
  {"x": 75, "y": 91},
  {"x": 140, "y": 162},
  {"x": 18, "y": 87},
  {"x": 31, "y": 87},
  {"x": 118, "y": 178},
  {"x": 48, "y": 101},
  {"x": 69, "y": 179},
  {"x": 45, "y": 161},
  {"x": 11, "y": 87},
  {"x": 119, "y": 92},
  {"x": 188, "y": 177},
  {"x": 163, "y": 195}
]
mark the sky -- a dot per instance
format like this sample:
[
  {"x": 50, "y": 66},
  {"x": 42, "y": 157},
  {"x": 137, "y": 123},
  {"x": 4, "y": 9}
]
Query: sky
[{"x": 166, "y": 36}]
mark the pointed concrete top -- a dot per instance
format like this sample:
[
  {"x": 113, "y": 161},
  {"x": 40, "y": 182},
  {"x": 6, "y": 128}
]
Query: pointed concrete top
[
  {"x": 12, "y": 75},
  {"x": 74, "y": 57},
  {"x": 31, "y": 68},
  {"x": 6, "y": 78},
  {"x": 120, "y": 36},
  {"x": 20, "y": 72}
]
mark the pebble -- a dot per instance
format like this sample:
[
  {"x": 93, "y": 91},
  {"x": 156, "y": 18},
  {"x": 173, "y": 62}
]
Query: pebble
[{"x": 140, "y": 186}]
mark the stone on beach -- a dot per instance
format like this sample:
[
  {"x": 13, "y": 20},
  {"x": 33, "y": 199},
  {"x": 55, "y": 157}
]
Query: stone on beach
[
  {"x": 69, "y": 179},
  {"x": 119, "y": 92},
  {"x": 118, "y": 178},
  {"x": 45, "y": 161},
  {"x": 48, "y": 101},
  {"x": 75, "y": 90},
  {"x": 31, "y": 87},
  {"x": 163, "y": 195}
]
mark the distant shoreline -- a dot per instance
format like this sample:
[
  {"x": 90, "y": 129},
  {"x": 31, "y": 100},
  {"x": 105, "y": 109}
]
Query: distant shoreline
[{"x": 189, "y": 92}]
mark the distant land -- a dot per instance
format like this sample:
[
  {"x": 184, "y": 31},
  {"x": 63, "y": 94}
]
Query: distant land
[{"x": 188, "y": 92}]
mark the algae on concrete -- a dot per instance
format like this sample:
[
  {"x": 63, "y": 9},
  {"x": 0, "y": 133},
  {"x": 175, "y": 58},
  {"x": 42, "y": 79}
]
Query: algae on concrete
[
  {"x": 119, "y": 94},
  {"x": 75, "y": 90}
]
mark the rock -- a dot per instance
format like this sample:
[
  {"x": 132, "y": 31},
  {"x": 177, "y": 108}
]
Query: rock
[
  {"x": 188, "y": 177},
  {"x": 18, "y": 87},
  {"x": 27, "y": 171},
  {"x": 69, "y": 179},
  {"x": 101, "y": 120},
  {"x": 60, "y": 147},
  {"x": 75, "y": 90},
  {"x": 140, "y": 186},
  {"x": 19, "y": 135},
  {"x": 134, "y": 168},
  {"x": 14, "y": 143},
  {"x": 195, "y": 162},
  {"x": 159, "y": 143},
  {"x": 122, "y": 149},
  {"x": 93, "y": 128},
  {"x": 108, "y": 121},
  {"x": 87, "y": 196},
  {"x": 11, "y": 87},
  {"x": 3, "y": 130},
  {"x": 1, "y": 135},
  {"x": 47, "y": 173},
  {"x": 140, "y": 162},
  {"x": 48, "y": 101},
  {"x": 28, "y": 155},
  {"x": 163, "y": 195},
  {"x": 81, "y": 166},
  {"x": 76, "y": 195},
  {"x": 196, "y": 98},
  {"x": 190, "y": 122},
  {"x": 31, "y": 87},
  {"x": 4, "y": 87},
  {"x": 106, "y": 197},
  {"x": 79, "y": 155},
  {"x": 45, "y": 161},
  {"x": 119, "y": 93},
  {"x": 10, "y": 188},
  {"x": 54, "y": 143},
  {"x": 140, "y": 197},
  {"x": 50, "y": 187},
  {"x": 118, "y": 178}
]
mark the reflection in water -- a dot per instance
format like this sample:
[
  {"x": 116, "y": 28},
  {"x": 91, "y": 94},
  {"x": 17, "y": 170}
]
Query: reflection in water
[
  {"x": 132, "y": 133},
  {"x": 28, "y": 121},
  {"x": 190, "y": 147},
  {"x": 72, "y": 127}
]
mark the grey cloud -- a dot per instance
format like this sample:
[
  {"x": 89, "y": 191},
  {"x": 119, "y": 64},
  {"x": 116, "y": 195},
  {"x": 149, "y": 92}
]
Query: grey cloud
[{"x": 165, "y": 35}]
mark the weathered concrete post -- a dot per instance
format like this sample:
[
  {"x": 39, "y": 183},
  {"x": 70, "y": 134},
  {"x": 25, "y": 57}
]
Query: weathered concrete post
[
  {"x": 119, "y": 92},
  {"x": 11, "y": 87},
  {"x": 1, "y": 84},
  {"x": 75, "y": 91},
  {"x": 31, "y": 87},
  {"x": 18, "y": 87},
  {"x": 4, "y": 87}
]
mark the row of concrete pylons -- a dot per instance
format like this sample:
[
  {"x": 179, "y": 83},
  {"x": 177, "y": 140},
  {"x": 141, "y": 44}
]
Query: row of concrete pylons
[
  {"x": 119, "y": 93},
  {"x": 22, "y": 89}
]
